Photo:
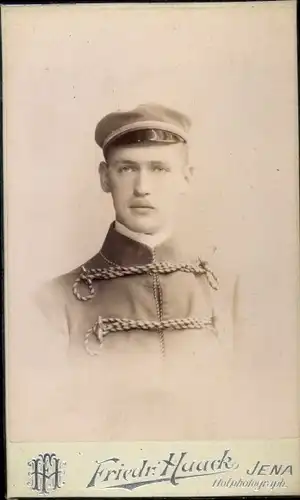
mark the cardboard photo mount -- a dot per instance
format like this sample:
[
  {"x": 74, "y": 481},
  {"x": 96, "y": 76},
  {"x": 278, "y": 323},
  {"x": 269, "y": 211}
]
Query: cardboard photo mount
[{"x": 232, "y": 68}]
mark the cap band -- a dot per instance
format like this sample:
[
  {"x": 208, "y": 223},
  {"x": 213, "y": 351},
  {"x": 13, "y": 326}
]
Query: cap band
[
  {"x": 141, "y": 125},
  {"x": 144, "y": 136}
]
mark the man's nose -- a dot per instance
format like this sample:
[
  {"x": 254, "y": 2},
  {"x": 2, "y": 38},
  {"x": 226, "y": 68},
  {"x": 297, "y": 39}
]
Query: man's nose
[{"x": 142, "y": 185}]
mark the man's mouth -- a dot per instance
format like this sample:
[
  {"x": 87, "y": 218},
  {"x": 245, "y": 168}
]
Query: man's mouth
[{"x": 142, "y": 205}]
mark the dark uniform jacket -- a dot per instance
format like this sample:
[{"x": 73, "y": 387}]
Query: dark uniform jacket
[{"x": 145, "y": 344}]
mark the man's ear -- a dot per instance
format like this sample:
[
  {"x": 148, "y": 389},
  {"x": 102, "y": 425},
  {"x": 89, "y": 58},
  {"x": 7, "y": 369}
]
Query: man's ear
[
  {"x": 189, "y": 173},
  {"x": 104, "y": 177}
]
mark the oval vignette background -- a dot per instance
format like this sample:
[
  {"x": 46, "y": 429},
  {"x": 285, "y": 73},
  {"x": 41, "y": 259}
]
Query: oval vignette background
[{"x": 232, "y": 68}]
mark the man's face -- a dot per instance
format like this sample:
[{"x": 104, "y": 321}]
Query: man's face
[{"x": 146, "y": 184}]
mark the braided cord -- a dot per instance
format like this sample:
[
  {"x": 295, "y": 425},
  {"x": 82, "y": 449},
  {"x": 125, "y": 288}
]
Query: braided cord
[
  {"x": 157, "y": 291},
  {"x": 88, "y": 275},
  {"x": 104, "y": 326}
]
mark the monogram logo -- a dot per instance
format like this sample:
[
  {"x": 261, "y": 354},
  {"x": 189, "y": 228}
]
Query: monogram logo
[{"x": 46, "y": 473}]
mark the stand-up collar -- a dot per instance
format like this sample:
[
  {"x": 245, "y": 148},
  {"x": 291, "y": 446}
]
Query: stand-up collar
[
  {"x": 150, "y": 240},
  {"x": 125, "y": 251}
]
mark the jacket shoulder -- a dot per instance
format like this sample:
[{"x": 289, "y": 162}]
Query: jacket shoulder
[
  {"x": 64, "y": 282},
  {"x": 58, "y": 291}
]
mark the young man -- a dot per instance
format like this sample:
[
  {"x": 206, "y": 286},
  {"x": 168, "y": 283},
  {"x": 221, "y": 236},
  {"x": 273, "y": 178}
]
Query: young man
[{"x": 147, "y": 332}]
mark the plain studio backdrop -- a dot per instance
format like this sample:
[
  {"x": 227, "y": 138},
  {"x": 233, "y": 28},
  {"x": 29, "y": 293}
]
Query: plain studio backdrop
[{"x": 232, "y": 69}]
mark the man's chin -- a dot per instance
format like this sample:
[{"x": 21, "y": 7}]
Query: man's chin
[{"x": 142, "y": 227}]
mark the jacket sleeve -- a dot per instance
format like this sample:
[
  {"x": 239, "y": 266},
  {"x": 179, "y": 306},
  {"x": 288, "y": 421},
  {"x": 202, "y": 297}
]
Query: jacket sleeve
[
  {"x": 39, "y": 375},
  {"x": 52, "y": 317}
]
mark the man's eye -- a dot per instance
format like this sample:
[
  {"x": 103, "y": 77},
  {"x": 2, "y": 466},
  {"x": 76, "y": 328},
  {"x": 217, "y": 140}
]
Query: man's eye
[
  {"x": 159, "y": 168},
  {"x": 125, "y": 168}
]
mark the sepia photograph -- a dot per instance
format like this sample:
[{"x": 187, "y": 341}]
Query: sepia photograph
[{"x": 151, "y": 221}]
